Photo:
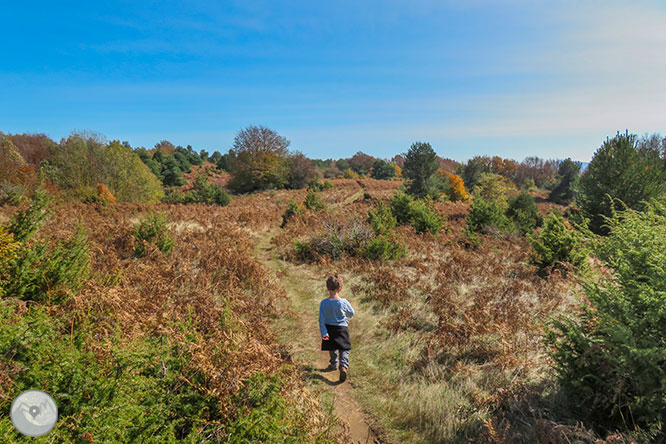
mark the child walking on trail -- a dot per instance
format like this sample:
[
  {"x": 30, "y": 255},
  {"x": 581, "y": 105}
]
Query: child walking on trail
[{"x": 334, "y": 314}]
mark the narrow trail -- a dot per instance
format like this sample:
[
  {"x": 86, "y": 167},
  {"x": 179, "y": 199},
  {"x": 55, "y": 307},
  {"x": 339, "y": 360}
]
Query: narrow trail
[{"x": 304, "y": 291}]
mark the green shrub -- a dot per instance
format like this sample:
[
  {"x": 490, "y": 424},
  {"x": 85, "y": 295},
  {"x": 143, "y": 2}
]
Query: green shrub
[
  {"x": 423, "y": 217},
  {"x": 384, "y": 248},
  {"x": 152, "y": 228},
  {"x": 40, "y": 271},
  {"x": 611, "y": 361},
  {"x": 136, "y": 392},
  {"x": 557, "y": 246},
  {"x": 486, "y": 213},
  {"x": 401, "y": 207},
  {"x": 316, "y": 185},
  {"x": 48, "y": 274},
  {"x": 27, "y": 221},
  {"x": 367, "y": 196},
  {"x": 528, "y": 185},
  {"x": 202, "y": 192},
  {"x": 327, "y": 185},
  {"x": 381, "y": 219},
  {"x": 524, "y": 213},
  {"x": 312, "y": 201},
  {"x": 293, "y": 209}
]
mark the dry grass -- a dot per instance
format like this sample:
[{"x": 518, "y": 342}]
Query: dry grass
[
  {"x": 449, "y": 338},
  {"x": 209, "y": 297}
]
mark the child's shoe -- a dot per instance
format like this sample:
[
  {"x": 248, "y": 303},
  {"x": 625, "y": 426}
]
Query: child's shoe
[
  {"x": 330, "y": 368},
  {"x": 343, "y": 373}
]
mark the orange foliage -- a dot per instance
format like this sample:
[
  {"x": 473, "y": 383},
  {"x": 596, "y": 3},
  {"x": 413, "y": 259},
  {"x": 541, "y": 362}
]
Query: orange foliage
[
  {"x": 457, "y": 192},
  {"x": 104, "y": 193}
]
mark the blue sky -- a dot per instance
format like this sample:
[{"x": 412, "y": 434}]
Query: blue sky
[{"x": 513, "y": 78}]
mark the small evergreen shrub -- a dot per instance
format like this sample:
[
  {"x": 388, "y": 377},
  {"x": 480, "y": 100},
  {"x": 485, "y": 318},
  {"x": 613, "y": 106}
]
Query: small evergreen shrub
[
  {"x": 485, "y": 213},
  {"x": 312, "y": 201},
  {"x": 293, "y": 209},
  {"x": 418, "y": 213},
  {"x": 327, "y": 185},
  {"x": 48, "y": 274},
  {"x": 381, "y": 219},
  {"x": 202, "y": 192},
  {"x": 528, "y": 185},
  {"x": 9, "y": 249},
  {"x": 27, "y": 221},
  {"x": 401, "y": 207},
  {"x": 38, "y": 271},
  {"x": 611, "y": 360},
  {"x": 423, "y": 217},
  {"x": 524, "y": 213},
  {"x": 367, "y": 196},
  {"x": 382, "y": 248},
  {"x": 152, "y": 228},
  {"x": 557, "y": 246},
  {"x": 315, "y": 185}
]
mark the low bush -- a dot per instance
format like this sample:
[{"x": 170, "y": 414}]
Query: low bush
[
  {"x": 293, "y": 209},
  {"x": 152, "y": 229},
  {"x": 27, "y": 221},
  {"x": 202, "y": 192},
  {"x": 381, "y": 219},
  {"x": 383, "y": 247},
  {"x": 487, "y": 213},
  {"x": 419, "y": 213},
  {"x": 400, "y": 207},
  {"x": 349, "y": 238},
  {"x": 524, "y": 213},
  {"x": 424, "y": 218},
  {"x": 40, "y": 270},
  {"x": 316, "y": 185},
  {"x": 558, "y": 247},
  {"x": 610, "y": 362},
  {"x": 313, "y": 202}
]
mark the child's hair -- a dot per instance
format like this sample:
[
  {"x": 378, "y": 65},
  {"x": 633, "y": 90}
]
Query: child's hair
[{"x": 334, "y": 283}]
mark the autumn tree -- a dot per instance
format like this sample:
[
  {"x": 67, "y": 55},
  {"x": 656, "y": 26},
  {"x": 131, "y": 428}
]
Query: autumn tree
[
  {"x": 259, "y": 160},
  {"x": 457, "y": 190},
  {"x": 33, "y": 148},
  {"x": 10, "y": 159},
  {"x": 301, "y": 171},
  {"x": 361, "y": 163}
]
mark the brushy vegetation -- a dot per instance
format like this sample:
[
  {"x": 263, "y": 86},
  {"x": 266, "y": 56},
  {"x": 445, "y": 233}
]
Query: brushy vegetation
[
  {"x": 487, "y": 214},
  {"x": 163, "y": 349},
  {"x": 202, "y": 192},
  {"x": 419, "y": 213},
  {"x": 39, "y": 270},
  {"x": 177, "y": 348},
  {"x": 524, "y": 213},
  {"x": 152, "y": 229},
  {"x": 611, "y": 360},
  {"x": 558, "y": 247}
]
